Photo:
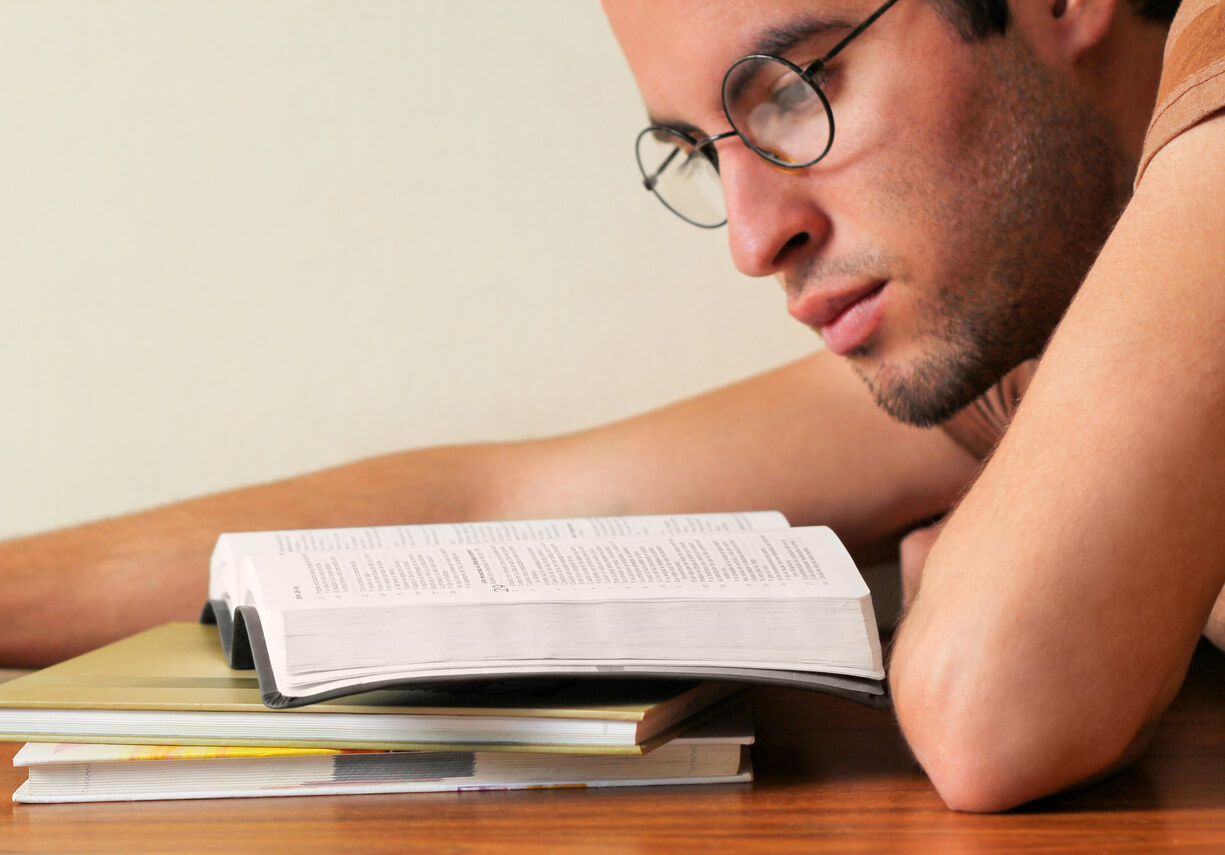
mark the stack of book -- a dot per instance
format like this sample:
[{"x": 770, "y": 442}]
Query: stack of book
[
  {"x": 597, "y": 652},
  {"x": 161, "y": 715}
]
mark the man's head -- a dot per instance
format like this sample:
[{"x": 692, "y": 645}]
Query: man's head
[
  {"x": 971, "y": 181},
  {"x": 980, "y": 19}
]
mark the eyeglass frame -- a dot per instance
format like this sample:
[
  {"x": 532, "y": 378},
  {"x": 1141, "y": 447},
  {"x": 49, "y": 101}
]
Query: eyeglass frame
[{"x": 806, "y": 74}]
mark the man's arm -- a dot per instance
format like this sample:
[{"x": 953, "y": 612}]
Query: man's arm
[
  {"x": 1062, "y": 601},
  {"x": 805, "y": 439}
]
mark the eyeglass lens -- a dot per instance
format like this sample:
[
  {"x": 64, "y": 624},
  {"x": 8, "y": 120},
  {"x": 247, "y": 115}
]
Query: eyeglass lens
[
  {"x": 684, "y": 179},
  {"x": 777, "y": 112}
]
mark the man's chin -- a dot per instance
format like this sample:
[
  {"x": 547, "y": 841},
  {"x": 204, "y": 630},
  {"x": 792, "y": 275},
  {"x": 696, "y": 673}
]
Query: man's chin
[{"x": 926, "y": 393}]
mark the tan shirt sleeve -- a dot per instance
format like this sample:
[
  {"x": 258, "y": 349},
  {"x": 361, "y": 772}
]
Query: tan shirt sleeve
[{"x": 1192, "y": 76}]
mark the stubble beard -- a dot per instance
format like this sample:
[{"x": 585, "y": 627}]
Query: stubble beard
[{"x": 1024, "y": 218}]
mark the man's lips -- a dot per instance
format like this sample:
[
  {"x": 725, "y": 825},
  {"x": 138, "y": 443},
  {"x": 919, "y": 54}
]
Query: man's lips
[{"x": 844, "y": 316}]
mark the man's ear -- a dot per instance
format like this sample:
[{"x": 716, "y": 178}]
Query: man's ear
[
  {"x": 1081, "y": 24},
  {"x": 1063, "y": 31}
]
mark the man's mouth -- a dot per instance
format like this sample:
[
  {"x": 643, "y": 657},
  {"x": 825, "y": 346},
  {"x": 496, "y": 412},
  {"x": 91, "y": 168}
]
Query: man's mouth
[{"x": 845, "y": 317}]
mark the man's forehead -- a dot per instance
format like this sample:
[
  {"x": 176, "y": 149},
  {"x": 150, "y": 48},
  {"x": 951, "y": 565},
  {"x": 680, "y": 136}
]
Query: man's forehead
[{"x": 672, "y": 43}]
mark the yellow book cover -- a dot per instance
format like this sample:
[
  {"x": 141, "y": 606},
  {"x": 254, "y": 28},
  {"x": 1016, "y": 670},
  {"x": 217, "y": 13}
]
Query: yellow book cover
[
  {"x": 84, "y": 752},
  {"x": 172, "y": 685},
  {"x": 714, "y": 751}
]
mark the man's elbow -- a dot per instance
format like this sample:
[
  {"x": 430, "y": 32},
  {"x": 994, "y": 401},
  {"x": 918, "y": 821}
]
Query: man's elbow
[
  {"x": 973, "y": 778},
  {"x": 990, "y": 747},
  {"x": 973, "y": 775}
]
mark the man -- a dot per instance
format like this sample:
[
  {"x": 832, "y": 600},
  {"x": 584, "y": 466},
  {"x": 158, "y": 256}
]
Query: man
[
  {"x": 980, "y": 159},
  {"x": 936, "y": 245}
]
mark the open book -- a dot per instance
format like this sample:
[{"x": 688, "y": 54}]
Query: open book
[{"x": 740, "y": 597}]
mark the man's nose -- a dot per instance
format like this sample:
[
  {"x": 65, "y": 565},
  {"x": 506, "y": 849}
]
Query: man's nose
[{"x": 772, "y": 216}]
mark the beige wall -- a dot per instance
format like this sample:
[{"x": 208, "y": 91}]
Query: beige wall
[{"x": 241, "y": 240}]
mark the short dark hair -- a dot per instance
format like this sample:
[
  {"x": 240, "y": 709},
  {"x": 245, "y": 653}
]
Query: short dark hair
[{"x": 978, "y": 19}]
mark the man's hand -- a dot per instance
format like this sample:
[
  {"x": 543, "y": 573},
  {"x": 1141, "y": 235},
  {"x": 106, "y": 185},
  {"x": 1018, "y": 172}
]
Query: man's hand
[
  {"x": 1215, "y": 628},
  {"x": 913, "y": 552}
]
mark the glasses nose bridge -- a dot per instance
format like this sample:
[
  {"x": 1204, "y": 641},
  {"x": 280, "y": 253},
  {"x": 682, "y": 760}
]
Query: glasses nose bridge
[{"x": 714, "y": 138}]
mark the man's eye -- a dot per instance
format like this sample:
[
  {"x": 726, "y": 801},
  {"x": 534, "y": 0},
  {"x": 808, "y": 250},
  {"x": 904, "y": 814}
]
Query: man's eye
[
  {"x": 699, "y": 159},
  {"x": 672, "y": 139},
  {"x": 793, "y": 94},
  {"x": 822, "y": 76}
]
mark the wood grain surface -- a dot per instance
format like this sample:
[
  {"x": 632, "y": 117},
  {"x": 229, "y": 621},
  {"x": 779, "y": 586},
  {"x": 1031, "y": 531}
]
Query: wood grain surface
[{"x": 831, "y": 777}]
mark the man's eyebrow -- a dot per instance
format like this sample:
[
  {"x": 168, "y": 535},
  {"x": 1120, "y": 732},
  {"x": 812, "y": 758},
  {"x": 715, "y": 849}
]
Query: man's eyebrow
[
  {"x": 775, "y": 40},
  {"x": 781, "y": 38},
  {"x": 677, "y": 125}
]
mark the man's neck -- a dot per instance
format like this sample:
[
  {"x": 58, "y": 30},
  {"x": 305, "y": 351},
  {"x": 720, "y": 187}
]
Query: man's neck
[{"x": 1123, "y": 72}]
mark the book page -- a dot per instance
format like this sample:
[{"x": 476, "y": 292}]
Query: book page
[
  {"x": 808, "y": 562},
  {"x": 788, "y": 599},
  {"x": 232, "y": 547}
]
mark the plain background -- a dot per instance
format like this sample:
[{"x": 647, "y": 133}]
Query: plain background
[{"x": 245, "y": 240}]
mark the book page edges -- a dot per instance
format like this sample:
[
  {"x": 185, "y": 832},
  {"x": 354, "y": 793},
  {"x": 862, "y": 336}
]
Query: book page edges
[{"x": 868, "y": 691}]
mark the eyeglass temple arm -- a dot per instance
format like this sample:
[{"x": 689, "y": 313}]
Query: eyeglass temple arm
[
  {"x": 651, "y": 180},
  {"x": 849, "y": 37}
]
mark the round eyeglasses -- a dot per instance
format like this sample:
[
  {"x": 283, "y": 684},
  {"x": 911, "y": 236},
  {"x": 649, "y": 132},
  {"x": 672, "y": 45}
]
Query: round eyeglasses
[{"x": 778, "y": 110}]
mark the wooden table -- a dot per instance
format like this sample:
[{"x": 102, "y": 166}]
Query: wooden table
[{"x": 831, "y": 777}]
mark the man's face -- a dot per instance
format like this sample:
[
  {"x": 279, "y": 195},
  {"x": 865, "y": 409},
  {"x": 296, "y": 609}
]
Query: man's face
[{"x": 966, "y": 193}]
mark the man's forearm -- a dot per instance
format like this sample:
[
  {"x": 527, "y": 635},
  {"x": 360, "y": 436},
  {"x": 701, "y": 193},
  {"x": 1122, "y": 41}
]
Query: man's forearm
[
  {"x": 67, "y": 591},
  {"x": 1062, "y": 601},
  {"x": 805, "y": 439}
]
